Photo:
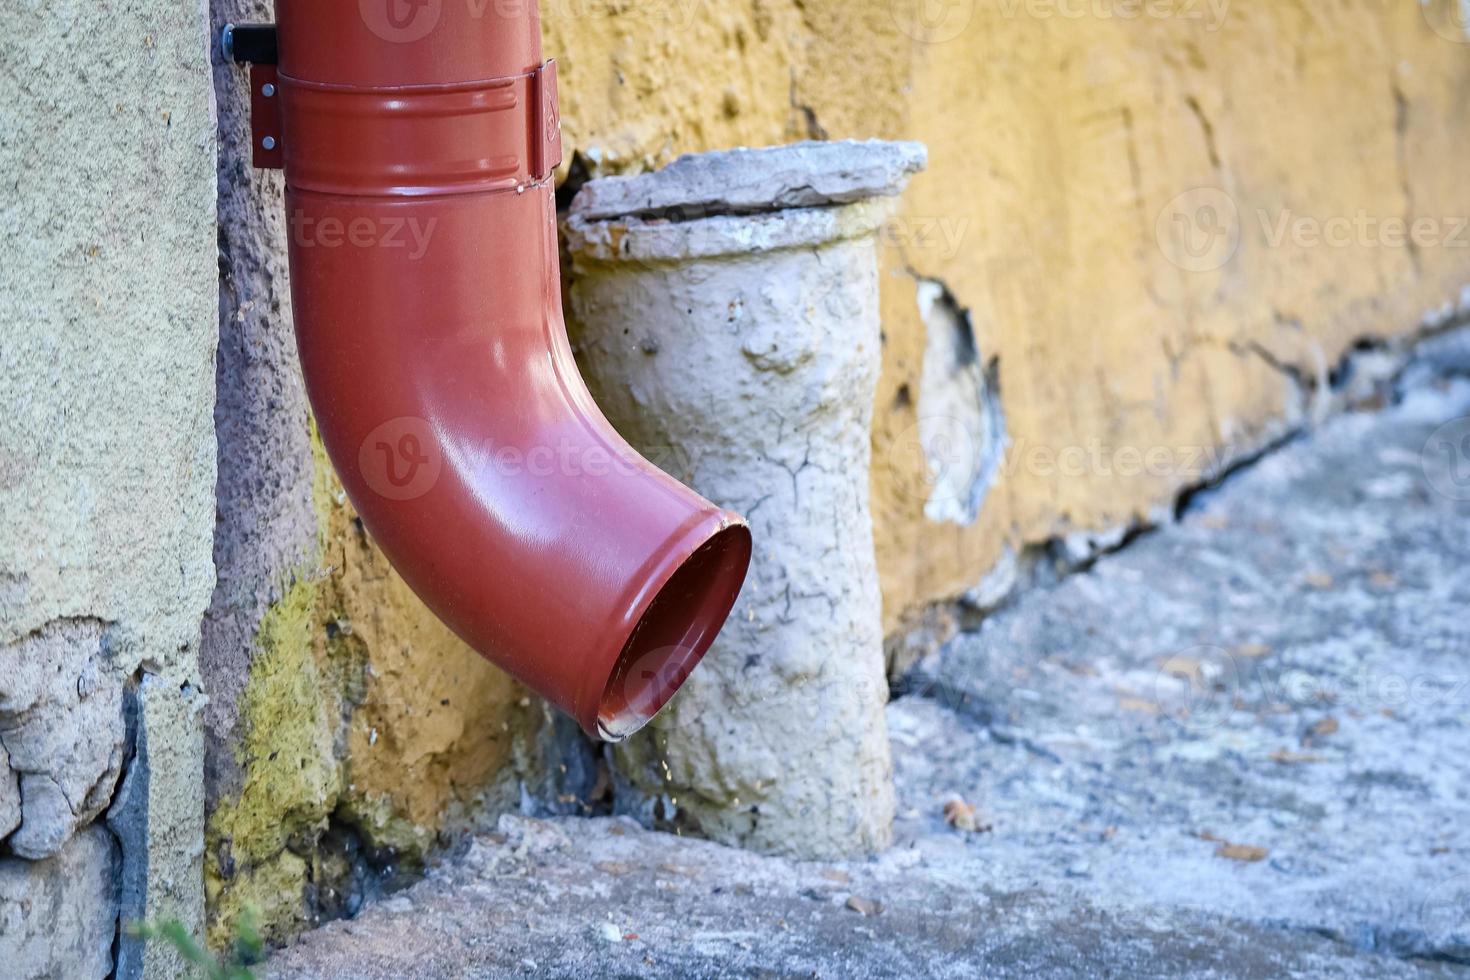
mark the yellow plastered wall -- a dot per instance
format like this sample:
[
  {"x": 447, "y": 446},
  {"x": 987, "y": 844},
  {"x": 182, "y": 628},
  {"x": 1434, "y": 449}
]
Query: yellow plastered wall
[{"x": 1060, "y": 131}]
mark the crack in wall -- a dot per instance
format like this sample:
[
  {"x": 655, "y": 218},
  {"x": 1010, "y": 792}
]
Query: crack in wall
[
  {"x": 811, "y": 125},
  {"x": 1401, "y": 156},
  {"x": 1207, "y": 129},
  {"x": 1371, "y": 374}
]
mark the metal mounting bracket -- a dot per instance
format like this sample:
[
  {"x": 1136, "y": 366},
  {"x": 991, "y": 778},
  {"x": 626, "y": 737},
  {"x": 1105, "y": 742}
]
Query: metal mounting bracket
[
  {"x": 546, "y": 122},
  {"x": 255, "y": 45}
]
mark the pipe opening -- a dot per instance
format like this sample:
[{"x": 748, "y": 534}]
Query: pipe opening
[{"x": 674, "y": 634}]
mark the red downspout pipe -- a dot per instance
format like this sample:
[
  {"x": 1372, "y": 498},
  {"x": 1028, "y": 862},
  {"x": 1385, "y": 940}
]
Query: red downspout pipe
[{"x": 419, "y": 140}]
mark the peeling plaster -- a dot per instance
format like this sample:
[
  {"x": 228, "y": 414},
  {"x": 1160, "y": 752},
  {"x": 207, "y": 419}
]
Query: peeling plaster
[{"x": 961, "y": 422}]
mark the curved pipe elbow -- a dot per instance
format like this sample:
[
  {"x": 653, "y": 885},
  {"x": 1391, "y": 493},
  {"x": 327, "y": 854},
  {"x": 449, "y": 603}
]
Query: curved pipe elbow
[
  {"x": 447, "y": 397},
  {"x": 428, "y": 318}
]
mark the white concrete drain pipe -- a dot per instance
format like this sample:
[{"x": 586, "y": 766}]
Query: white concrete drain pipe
[{"x": 726, "y": 313}]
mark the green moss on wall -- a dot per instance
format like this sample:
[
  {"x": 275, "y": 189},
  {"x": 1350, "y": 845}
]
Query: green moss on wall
[
  {"x": 292, "y": 777},
  {"x": 384, "y": 828},
  {"x": 364, "y": 723},
  {"x": 261, "y": 845}
]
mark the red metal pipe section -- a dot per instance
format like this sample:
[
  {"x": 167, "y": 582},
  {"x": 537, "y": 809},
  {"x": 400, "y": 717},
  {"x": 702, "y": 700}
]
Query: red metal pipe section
[{"x": 419, "y": 139}]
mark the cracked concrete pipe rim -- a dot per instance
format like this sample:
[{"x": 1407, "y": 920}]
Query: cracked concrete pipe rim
[
  {"x": 651, "y": 243},
  {"x": 756, "y": 181}
]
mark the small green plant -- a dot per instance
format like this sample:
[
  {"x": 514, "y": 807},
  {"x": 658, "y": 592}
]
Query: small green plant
[{"x": 246, "y": 949}]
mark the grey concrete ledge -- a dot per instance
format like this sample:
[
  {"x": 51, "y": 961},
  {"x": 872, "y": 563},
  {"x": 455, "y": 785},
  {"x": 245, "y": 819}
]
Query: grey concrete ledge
[
  {"x": 742, "y": 202},
  {"x": 746, "y": 181}
]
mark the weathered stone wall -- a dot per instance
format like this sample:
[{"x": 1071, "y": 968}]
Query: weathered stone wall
[
  {"x": 107, "y": 469},
  {"x": 1059, "y": 298}
]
